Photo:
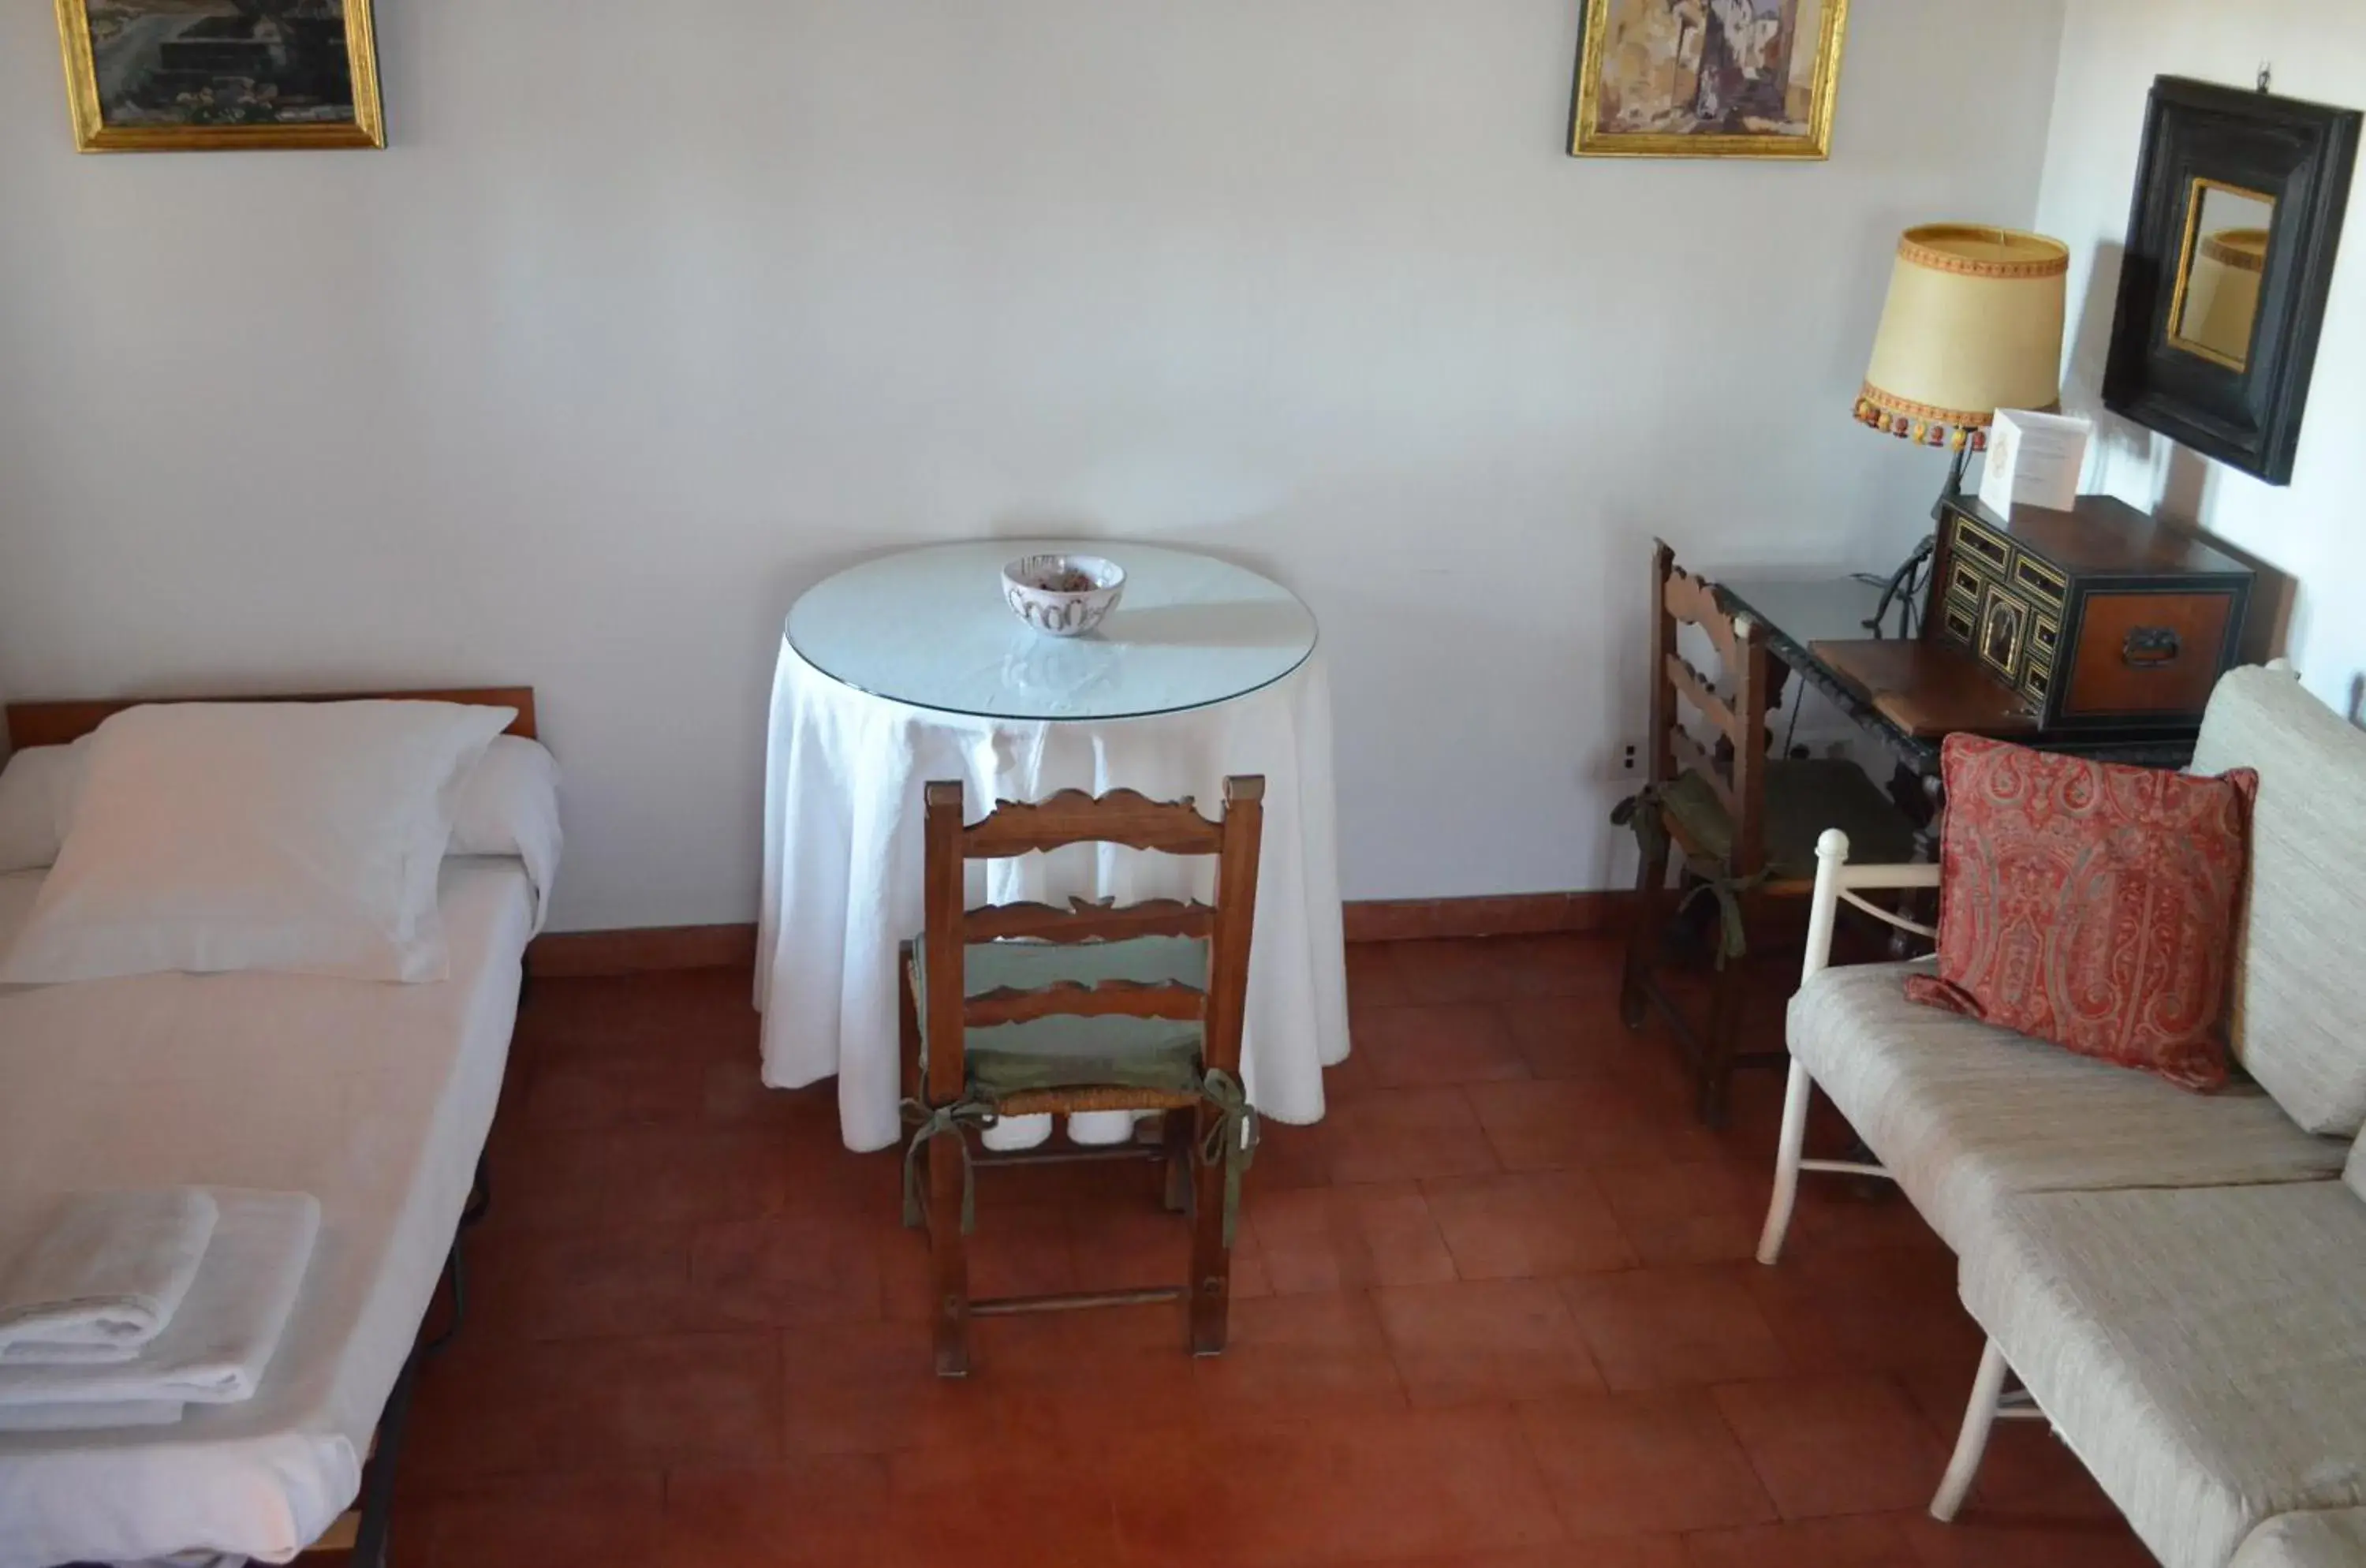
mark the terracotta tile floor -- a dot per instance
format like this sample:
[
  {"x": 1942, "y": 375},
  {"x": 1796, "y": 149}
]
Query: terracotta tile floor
[{"x": 1497, "y": 1310}]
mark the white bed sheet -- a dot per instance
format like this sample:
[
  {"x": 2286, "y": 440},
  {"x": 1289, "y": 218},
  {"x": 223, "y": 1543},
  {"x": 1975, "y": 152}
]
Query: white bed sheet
[{"x": 374, "y": 1097}]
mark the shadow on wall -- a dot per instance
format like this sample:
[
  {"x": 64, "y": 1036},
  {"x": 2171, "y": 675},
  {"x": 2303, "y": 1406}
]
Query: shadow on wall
[
  {"x": 2090, "y": 351},
  {"x": 2182, "y": 499}
]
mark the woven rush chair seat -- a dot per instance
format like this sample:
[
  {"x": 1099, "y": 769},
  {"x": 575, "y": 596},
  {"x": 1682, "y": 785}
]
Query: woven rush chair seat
[{"x": 1803, "y": 798}]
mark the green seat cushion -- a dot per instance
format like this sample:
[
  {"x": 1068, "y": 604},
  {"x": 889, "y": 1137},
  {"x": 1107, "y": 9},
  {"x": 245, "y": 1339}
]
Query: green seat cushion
[
  {"x": 1067, "y": 1052},
  {"x": 1803, "y": 798}
]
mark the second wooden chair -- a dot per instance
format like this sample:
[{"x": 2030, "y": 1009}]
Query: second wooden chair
[{"x": 1744, "y": 821}]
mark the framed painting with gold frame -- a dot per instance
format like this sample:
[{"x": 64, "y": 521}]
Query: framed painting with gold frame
[
  {"x": 206, "y": 75},
  {"x": 1707, "y": 78}
]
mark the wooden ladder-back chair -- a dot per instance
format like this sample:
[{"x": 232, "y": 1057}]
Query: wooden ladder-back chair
[
  {"x": 1021, "y": 1009},
  {"x": 1744, "y": 821}
]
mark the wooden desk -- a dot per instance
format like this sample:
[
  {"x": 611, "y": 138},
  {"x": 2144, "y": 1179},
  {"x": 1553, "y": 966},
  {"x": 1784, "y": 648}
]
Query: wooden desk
[
  {"x": 1908, "y": 694},
  {"x": 1927, "y": 689}
]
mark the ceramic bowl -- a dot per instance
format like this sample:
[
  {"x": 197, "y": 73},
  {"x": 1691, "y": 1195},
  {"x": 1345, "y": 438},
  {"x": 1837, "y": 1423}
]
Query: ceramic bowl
[{"x": 1063, "y": 595}]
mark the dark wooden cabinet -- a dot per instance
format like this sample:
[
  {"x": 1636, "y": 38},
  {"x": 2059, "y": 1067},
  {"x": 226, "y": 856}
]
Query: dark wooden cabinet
[{"x": 2104, "y": 619}]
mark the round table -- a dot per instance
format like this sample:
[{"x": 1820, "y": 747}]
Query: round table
[{"x": 910, "y": 668}]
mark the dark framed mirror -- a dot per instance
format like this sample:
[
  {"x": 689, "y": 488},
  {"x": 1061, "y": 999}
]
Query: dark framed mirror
[{"x": 2231, "y": 244}]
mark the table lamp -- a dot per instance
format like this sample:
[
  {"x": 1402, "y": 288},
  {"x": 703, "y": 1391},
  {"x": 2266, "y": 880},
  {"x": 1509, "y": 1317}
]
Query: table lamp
[{"x": 1974, "y": 324}]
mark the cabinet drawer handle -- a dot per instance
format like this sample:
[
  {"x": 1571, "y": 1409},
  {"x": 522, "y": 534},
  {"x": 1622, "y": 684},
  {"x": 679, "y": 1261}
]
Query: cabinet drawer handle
[{"x": 2149, "y": 648}]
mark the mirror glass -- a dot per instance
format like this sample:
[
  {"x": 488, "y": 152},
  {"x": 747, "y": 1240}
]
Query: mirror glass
[{"x": 2218, "y": 281}]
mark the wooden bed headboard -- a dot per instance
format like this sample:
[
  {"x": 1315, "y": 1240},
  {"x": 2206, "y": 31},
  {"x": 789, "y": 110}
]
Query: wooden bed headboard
[{"x": 60, "y": 724}]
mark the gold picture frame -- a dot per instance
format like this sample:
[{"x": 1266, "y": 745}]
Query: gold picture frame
[
  {"x": 1674, "y": 79},
  {"x": 214, "y": 75},
  {"x": 2228, "y": 251}
]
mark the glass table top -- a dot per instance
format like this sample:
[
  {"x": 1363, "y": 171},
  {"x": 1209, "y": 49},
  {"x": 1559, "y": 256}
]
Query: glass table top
[
  {"x": 928, "y": 628},
  {"x": 1808, "y": 610}
]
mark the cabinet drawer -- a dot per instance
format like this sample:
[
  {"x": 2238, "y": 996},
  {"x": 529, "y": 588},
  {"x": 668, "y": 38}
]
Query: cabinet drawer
[
  {"x": 1975, "y": 543},
  {"x": 1959, "y": 620},
  {"x": 2147, "y": 653},
  {"x": 1963, "y": 579},
  {"x": 2040, "y": 581}
]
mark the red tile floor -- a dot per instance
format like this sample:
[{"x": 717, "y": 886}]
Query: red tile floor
[{"x": 1498, "y": 1309}]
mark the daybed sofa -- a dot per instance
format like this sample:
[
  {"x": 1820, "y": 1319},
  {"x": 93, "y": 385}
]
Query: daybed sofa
[{"x": 2178, "y": 1281}]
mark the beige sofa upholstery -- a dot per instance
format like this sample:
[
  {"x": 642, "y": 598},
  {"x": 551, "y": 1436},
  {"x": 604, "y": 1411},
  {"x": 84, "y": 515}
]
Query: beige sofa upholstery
[
  {"x": 1964, "y": 1114},
  {"x": 2298, "y": 1021},
  {"x": 2203, "y": 1351},
  {"x": 2335, "y": 1538},
  {"x": 2179, "y": 1280}
]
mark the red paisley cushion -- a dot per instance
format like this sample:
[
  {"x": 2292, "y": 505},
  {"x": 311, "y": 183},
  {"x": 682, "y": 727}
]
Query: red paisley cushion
[{"x": 2091, "y": 905}]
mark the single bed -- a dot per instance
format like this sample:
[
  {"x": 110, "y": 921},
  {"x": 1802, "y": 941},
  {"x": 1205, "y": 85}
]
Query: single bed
[{"x": 375, "y": 1098}]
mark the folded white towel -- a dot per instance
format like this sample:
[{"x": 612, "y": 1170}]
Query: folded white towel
[
  {"x": 105, "y": 1277},
  {"x": 89, "y": 1417},
  {"x": 214, "y": 1350}
]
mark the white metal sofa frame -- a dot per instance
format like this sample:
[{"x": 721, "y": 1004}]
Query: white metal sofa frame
[{"x": 1837, "y": 882}]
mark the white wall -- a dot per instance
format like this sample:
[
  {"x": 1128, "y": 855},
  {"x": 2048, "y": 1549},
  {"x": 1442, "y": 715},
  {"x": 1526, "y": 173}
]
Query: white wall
[
  {"x": 2315, "y": 530},
  {"x": 655, "y": 314}
]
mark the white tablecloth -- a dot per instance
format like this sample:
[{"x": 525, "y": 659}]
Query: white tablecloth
[{"x": 842, "y": 851}]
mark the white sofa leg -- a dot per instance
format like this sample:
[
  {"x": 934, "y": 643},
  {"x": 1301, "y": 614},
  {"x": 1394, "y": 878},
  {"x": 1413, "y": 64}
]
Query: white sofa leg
[
  {"x": 1987, "y": 1391},
  {"x": 1800, "y": 1091}
]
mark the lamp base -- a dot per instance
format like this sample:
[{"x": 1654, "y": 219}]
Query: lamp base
[{"x": 1904, "y": 588}]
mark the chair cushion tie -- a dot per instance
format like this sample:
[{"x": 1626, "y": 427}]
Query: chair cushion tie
[
  {"x": 930, "y": 1123},
  {"x": 1231, "y": 1138},
  {"x": 1642, "y": 812},
  {"x": 1733, "y": 935}
]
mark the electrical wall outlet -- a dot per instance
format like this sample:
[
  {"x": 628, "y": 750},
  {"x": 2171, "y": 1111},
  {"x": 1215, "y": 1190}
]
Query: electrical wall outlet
[{"x": 1627, "y": 764}]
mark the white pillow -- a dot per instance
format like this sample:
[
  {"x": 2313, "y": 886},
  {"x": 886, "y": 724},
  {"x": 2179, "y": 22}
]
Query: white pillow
[
  {"x": 303, "y": 836},
  {"x": 508, "y": 806},
  {"x": 37, "y": 789}
]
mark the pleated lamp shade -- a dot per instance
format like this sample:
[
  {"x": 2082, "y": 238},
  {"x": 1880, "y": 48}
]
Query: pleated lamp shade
[{"x": 1974, "y": 324}]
